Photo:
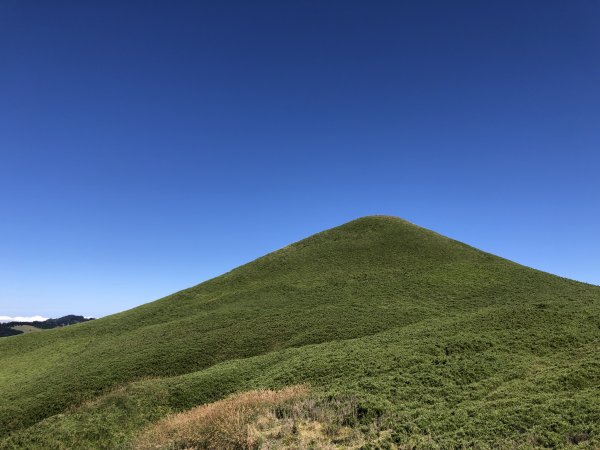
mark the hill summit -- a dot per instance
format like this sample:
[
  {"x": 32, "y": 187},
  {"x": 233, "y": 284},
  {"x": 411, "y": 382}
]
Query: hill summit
[{"x": 437, "y": 344}]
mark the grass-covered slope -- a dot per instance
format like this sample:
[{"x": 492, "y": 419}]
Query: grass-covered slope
[{"x": 449, "y": 345}]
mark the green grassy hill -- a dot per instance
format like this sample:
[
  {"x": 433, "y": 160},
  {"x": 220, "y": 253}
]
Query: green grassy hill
[
  {"x": 26, "y": 328},
  {"x": 442, "y": 344}
]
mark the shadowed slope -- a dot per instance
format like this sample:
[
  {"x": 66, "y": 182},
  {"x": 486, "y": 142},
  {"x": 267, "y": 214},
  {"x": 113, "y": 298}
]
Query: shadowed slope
[{"x": 375, "y": 286}]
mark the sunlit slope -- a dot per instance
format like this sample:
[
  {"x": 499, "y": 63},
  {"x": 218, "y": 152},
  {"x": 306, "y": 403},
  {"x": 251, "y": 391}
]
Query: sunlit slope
[{"x": 399, "y": 314}]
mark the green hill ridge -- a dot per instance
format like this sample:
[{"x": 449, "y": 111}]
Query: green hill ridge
[{"x": 453, "y": 346}]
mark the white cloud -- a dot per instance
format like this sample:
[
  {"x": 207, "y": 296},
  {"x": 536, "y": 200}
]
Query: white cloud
[{"x": 22, "y": 319}]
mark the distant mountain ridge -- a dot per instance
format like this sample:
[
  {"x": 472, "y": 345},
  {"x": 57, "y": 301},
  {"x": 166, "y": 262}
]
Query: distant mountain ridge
[{"x": 8, "y": 328}]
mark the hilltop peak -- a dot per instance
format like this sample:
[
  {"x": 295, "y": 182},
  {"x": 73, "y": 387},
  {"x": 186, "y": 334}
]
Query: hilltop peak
[
  {"x": 378, "y": 217},
  {"x": 373, "y": 218}
]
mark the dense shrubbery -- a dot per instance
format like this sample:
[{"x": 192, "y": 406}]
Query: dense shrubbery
[
  {"x": 440, "y": 344},
  {"x": 6, "y": 329}
]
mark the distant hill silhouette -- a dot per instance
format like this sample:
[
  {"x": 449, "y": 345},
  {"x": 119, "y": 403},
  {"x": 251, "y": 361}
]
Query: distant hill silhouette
[{"x": 7, "y": 329}]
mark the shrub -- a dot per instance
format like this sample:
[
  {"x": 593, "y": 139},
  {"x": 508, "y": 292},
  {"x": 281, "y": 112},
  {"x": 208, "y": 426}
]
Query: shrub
[
  {"x": 224, "y": 424},
  {"x": 268, "y": 419}
]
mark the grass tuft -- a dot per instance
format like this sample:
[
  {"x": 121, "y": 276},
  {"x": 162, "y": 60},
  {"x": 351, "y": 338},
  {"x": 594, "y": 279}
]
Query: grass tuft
[
  {"x": 226, "y": 424},
  {"x": 289, "y": 418}
]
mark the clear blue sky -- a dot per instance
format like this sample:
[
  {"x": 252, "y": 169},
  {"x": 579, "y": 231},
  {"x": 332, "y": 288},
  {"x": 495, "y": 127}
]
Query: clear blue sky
[{"x": 148, "y": 146}]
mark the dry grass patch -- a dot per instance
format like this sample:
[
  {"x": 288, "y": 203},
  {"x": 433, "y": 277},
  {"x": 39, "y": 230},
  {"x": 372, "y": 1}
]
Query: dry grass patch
[
  {"x": 262, "y": 419},
  {"x": 223, "y": 424}
]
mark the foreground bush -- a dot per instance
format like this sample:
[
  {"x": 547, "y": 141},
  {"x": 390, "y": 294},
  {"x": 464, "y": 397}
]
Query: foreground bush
[
  {"x": 220, "y": 425},
  {"x": 266, "y": 419}
]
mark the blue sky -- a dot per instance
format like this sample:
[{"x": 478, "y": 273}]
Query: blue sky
[{"x": 148, "y": 146}]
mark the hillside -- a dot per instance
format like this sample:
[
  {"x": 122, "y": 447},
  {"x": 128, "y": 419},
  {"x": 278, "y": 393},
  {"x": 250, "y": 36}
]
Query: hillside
[
  {"x": 439, "y": 344},
  {"x": 14, "y": 328}
]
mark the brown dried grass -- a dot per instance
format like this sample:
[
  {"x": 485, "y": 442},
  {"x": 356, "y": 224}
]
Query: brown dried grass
[
  {"x": 224, "y": 424},
  {"x": 289, "y": 418}
]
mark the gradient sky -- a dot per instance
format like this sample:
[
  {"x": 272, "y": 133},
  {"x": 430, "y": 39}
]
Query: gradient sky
[{"x": 148, "y": 146}]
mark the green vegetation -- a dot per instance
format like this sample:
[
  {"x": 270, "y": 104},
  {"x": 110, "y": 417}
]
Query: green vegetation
[
  {"x": 440, "y": 344},
  {"x": 26, "y": 328}
]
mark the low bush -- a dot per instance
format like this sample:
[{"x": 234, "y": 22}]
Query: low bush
[{"x": 289, "y": 418}]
